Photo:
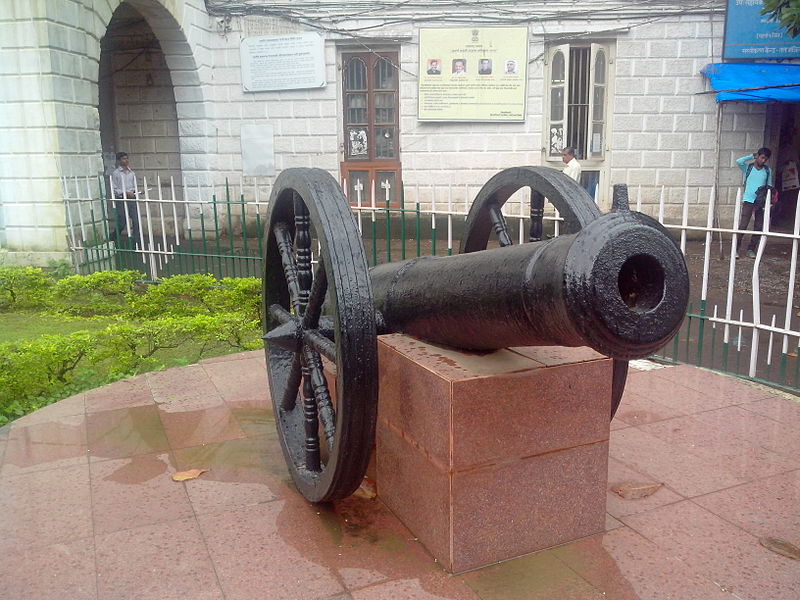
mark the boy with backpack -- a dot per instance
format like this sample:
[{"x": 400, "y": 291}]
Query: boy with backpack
[{"x": 757, "y": 181}]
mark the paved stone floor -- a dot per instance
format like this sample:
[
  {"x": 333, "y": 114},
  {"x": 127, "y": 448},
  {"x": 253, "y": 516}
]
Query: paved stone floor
[{"x": 88, "y": 508}]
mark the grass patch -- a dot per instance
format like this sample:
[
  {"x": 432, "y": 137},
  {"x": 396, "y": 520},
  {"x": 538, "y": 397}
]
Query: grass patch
[{"x": 19, "y": 326}]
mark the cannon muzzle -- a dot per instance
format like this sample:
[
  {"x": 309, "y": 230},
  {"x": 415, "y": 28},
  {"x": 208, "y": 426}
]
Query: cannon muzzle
[{"x": 619, "y": 285}]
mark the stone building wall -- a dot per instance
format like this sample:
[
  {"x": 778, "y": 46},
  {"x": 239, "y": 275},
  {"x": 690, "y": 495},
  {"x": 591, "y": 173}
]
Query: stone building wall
[{"x": 662, "y": 127}]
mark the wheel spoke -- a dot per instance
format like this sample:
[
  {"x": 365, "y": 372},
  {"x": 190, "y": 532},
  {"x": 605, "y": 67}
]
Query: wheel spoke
[
  {"x": 537, "y": 215},
  {"x": 289, "y": 397},
  {"x": 320, "y": 389},
  {"x": 310, "y": 422},
  {"x": 317, "y": 340},
  {"x": 284, "y": 241},
  {"x": 316, "y": 297},
  {"x": 302, "y": 240},
  {"x": 499, "y": 224},
  {"x": 277, "y": 312}
]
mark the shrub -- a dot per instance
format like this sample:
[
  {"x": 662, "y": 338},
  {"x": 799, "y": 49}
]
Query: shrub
[
  {"x": 131, "y": 348},
  {"x": 23, "y": 287},
  {"x": 179, "y": 295},
  {"x": 32, "y": 370},
  {"x": 241, "y": 295},
  {"x": 183, "y": 309},
  {"x": 58, "y": 269},
  {"x": 101, "y": 293}
]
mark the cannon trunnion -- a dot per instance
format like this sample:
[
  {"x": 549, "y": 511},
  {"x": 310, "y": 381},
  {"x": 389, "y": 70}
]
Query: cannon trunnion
[{"x": 617, "y": 283}]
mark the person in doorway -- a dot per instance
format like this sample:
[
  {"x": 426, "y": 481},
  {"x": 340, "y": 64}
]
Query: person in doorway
[
  {"x": 573, "y": 168},
  {"x": 757, "y": 180},
  {"x": 123, "y": 184}
]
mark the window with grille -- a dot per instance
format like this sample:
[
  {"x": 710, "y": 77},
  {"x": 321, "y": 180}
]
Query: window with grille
[
  {"x": 370, "y": 91},
  {"x": 577, "y": 99},
  {"x": 370, "y": 99}
]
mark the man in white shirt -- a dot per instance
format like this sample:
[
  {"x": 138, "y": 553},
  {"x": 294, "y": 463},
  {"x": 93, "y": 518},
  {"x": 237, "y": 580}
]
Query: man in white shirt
[
  {"x": 123, "y": 183},
  {"x": 573, "y": 168}
]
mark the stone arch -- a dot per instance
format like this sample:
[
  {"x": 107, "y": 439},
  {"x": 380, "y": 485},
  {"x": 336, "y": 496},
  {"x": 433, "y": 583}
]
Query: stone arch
[{"x": 184, "y": 147}]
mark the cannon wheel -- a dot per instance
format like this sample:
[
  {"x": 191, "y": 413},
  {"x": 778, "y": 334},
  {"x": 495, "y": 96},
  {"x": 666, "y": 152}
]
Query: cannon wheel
[
  {"x": 326, "y": 424},
  {"x": 574, "y": 205}
]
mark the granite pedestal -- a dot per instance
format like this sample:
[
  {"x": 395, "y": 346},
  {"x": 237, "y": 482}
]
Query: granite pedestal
[{"x": 485, "y": 457}]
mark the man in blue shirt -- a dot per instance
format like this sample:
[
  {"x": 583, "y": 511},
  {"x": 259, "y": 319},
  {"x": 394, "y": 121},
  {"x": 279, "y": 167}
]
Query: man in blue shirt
[{"x": 756, "y": 175}]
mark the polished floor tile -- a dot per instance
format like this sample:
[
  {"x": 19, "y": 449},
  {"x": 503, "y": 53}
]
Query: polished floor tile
[
  {"x": 281, "y": 562},
  {"x": 164, "y": 561},
  {"x": 637, "y": 409},
  {"x": 241, "y": 383},
  {"x": 717, "y": 447},
  {"x": 68, "y": 407},
  {"x": 45, "y": 507},
  {"x": 617, "y": 506},
  {"x": 719, "y": 551},
  {"x": 64, "y": 570},
  {"x": 682, "y": 471},
  {"x": 116, "y": 527},
  {"x": 191, "y": 390},
  {"x": 125, "y": 393},
  {"x": 240, "y": 472},
  {"x": 45, "y": 445},
  {"x": 625, "y": 566},
  {"x": 769, "y": 507},
  {"x": 125, "y": 432},
  {"x": 136, "y": 491},
  {"x": 196, "y": 427}
]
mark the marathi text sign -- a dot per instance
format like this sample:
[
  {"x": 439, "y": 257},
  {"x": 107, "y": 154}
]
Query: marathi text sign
[
  {"x": 283, "y": 62},
  {"x": 748, "y": 34},
  {"x": 473, "y": 74}
]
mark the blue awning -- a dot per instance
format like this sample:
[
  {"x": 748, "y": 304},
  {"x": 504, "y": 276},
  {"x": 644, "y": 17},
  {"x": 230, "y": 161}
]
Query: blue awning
[{"x": 754, "y": 82}]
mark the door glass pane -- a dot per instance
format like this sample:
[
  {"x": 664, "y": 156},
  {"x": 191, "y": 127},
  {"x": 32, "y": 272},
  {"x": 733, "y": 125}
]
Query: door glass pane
[
  {"x": 598, "y": 99},
  {"x": 600, "y": 67},
  {"x": 356, "y": 75},
  {"x": 558, "y": 72},
  {"x": 596, "y": 143},
  {"x": 386, "y": 184},
  {"x": 384, "y": 108},
  {"x": 557, "y": 103},
  {"x": 384, "y": 75},
  {"x": 358, "y": 188},
  {"x": 357, "y": 108},
  {"x": 384, "y": 142},
  {"x": 357, "y": 142},
  {"x": 556, "y": 138}
]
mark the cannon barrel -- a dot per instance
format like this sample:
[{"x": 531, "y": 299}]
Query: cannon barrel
[{"x": 619, "y": 285}]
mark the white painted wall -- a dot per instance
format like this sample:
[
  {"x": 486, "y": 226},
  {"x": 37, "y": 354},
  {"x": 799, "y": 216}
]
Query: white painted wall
[{"x": 662, "y": 128}]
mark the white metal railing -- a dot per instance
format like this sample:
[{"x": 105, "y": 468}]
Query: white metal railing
[{"x": 215, "y": 229}]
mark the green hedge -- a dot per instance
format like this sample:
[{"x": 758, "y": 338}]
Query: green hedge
[{"x": 196, "y": 313}]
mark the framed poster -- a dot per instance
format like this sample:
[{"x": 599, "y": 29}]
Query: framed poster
[
  {"x": 283, "y": 62},
  {"x": 749, "y": 34},
  {"x": 472, "y": 74}
]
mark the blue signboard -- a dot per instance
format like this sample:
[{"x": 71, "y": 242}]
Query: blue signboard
[{"x": 748, "y": 34}]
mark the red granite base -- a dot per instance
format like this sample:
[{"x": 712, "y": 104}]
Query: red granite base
[{"x": 485, "y": 457}]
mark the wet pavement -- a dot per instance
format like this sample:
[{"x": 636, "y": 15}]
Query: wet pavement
[{"x": 88, "y": 509}]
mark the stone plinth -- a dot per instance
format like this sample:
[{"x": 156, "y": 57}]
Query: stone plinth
[{"x": 485, "y": 457}]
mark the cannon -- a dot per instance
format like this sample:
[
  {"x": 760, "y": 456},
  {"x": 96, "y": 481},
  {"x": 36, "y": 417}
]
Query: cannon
[{"x": 616, "y": 282}]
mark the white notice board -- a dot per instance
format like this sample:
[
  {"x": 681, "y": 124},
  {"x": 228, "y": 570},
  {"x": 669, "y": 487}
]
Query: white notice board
[
  {"x": 258, "y": 151},
  {"x": 283, "y": 62}
]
